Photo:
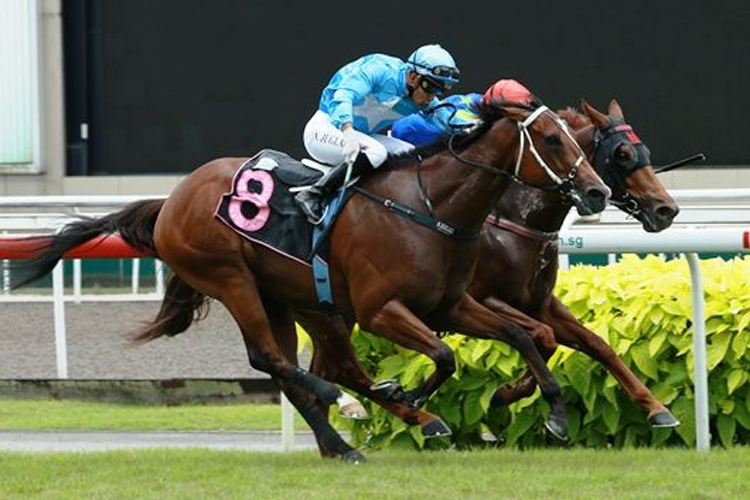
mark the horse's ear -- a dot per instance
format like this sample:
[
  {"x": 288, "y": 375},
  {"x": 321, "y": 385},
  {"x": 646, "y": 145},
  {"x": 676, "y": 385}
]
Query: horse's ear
[
  {"x": 600, "y": 119},
  {"x": 615, "y": 110}
]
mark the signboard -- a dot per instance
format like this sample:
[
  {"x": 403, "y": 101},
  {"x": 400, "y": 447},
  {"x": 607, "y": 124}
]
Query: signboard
[
  {"x": 699, "y": 239},
  {"x": 19, "y": 87}
]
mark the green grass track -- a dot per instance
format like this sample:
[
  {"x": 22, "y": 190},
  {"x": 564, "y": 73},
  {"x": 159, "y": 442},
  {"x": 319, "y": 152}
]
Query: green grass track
[{"x": 392, "y": 475}]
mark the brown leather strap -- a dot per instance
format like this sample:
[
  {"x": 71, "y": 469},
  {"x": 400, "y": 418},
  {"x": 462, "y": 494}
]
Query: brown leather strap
[{"x": 520, "y": 230}]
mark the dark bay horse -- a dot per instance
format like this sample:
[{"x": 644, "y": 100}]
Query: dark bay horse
[
  {"x": 517, "y": 268},
  {"x": 396, "y": 279},
  {"x": 529, "y": 259}
]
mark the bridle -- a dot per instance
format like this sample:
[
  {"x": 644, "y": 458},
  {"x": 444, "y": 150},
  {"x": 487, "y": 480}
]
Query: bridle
[
  {"x": 565, "y": 186},
  {"x": 606, "y": 143}
]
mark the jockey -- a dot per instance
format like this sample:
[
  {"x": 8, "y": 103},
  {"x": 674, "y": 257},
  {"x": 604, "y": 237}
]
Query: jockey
[
  {"x": 364, "y": 98},
  {"x": 456, "y": 113}
]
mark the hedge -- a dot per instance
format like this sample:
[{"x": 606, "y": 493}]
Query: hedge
[{"x": 642, "y": 307}]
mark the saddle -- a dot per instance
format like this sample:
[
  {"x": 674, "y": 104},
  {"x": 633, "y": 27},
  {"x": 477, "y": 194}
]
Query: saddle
[
  {"x": 261, "y": 206},
  {"x": 295, "y": 173}
]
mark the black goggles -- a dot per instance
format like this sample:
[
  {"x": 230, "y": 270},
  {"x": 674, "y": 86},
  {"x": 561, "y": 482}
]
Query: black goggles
[
  {"x": 441, "y": 71},
  {"x": 434, "y": 86},
  {"x": 446, "y": 72}
]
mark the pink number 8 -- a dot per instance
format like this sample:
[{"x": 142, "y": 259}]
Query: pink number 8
[{"x": 260, "y": 200}]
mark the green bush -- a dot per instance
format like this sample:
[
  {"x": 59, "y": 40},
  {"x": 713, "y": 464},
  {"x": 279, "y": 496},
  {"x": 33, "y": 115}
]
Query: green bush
[{"x": 642, "y": 307}]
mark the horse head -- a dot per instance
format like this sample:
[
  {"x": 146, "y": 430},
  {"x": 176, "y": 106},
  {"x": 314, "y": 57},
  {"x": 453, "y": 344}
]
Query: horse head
[
  {"x": 550, "y": 158},
  {"x": 624, "y": 162}
]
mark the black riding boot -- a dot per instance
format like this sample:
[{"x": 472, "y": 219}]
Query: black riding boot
[{"x": 311, "y": 200}]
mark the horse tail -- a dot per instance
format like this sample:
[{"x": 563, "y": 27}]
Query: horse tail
[
  {"x": 182, "y": 305},
  {"x": 135, "y": 223}
]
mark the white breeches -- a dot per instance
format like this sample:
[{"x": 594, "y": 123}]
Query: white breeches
[{"x": 325, "y": 143}]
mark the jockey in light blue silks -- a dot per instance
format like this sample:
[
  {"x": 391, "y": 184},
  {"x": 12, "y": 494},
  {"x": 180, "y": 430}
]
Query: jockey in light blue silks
[
  {"x": 363, "y": 99},
  {"x": 456, "y": 113}
]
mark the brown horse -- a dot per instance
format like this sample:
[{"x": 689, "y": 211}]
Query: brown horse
[
  {"x": 518, "y": 263},
  {"x": 395, "y": 278},
  {"x": 530, "y": 259}
]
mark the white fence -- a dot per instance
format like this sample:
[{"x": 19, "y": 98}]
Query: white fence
[{"x": 709, "y": 221}]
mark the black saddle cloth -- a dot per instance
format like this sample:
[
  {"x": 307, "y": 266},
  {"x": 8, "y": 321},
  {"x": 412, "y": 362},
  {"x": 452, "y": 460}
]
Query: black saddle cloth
[{"x": 261, "y": 208}]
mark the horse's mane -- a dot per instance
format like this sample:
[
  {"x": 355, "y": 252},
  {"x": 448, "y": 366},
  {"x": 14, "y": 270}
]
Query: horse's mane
[
  {"x": 488, "y": 114},
  {"x": 575, "y": 119}
]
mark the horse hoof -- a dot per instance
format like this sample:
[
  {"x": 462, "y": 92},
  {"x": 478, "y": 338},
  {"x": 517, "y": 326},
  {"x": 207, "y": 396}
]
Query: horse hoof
[
  {"x": 353, "y": 457},
  {"x": 388, "y": 388},
  {"x": 436, "y": 428},
  {"x": 351, "y": 408},
  {"x": 558, "y": 427},
  {"x": 663, "y": 419},
  {"x": 354, "y": 411}
]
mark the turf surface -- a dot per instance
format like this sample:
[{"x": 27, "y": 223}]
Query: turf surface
[{"x": 393, "y": 475}]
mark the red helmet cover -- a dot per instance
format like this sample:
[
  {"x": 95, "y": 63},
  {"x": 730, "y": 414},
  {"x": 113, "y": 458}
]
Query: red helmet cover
[{"x": 507, "y": 91}]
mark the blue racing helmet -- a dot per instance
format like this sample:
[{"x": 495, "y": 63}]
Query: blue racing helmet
[{"x": 436, "y": 66}]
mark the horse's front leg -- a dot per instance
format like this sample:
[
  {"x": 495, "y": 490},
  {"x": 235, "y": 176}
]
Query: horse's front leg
[
  {"x": 542, "y": 335},
  {"x": 471, "y": 318},
  {"x": 334, "y": 360},
  {"x": 570, "y": 332},
  {"x": 397, "y": 323}
]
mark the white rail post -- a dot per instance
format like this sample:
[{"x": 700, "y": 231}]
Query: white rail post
[
  {"x": 700, "y": 372},
  {"x": 564, "y": 258},
  {"x": 6, "y": 273},
  {"x": 77, "y": 270},
  {"x": 77, "y": 280},
  {"x": 135, "y": 275},
  {"x": 6, "y": 277},
  {"x": 58, "y": 298},
  {"x": 287, "y": 424},
  {"x": 159, "y": 273}
]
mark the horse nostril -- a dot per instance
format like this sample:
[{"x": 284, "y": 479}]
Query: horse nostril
[
  {"x": 597, "y": 199},
  {"x": 667, "y": 212}
]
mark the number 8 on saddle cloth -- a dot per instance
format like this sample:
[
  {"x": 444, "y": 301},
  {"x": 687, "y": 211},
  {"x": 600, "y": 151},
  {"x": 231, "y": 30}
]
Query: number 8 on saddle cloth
[{"x": 261, "y": 208}]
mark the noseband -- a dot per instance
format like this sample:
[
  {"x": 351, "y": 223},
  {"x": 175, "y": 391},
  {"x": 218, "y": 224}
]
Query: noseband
[{"x": 565, "y": 186}]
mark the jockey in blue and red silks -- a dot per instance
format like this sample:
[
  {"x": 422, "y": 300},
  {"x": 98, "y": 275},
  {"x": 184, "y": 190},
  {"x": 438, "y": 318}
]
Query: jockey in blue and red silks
[
  {"x": 362, "y": 100},
  {"x": 456, "y": 113}
]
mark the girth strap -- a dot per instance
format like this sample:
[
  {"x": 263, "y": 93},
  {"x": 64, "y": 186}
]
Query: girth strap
[
  {"x": 520, "y": 230},
  {"x": 421, "y": 218}
]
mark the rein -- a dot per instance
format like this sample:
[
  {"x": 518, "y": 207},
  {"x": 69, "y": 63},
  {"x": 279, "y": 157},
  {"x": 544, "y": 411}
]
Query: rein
[
  {"x": 565, "y": 186},
  {"x": 605, "y": 143},
  {"x": 422, "y": 190}
]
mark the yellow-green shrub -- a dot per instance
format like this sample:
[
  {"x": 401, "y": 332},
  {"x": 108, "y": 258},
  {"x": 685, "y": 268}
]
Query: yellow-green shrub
[{"x": 642, "y": 308}]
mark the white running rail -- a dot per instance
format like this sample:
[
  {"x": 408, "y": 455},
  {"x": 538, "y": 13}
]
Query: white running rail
[{"x": 714, "y": 221}]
